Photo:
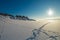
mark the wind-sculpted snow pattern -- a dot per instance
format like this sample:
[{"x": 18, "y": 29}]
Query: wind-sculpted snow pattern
[{"x": 41, "y": 34}]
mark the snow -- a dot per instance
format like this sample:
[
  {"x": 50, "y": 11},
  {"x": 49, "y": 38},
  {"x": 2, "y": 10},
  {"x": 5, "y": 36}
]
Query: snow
[{"x": 11, "y": 29}]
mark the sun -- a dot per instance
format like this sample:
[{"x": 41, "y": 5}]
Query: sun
[{"x": 50, "y": 12}]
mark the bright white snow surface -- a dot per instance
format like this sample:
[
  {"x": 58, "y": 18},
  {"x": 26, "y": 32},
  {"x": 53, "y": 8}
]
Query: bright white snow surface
[{"x": 11, "y": 29}]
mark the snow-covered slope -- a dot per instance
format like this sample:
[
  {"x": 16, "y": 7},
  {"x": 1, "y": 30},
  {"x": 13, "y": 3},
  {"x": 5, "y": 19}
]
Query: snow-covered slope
[{"x": 21, "y": 30}]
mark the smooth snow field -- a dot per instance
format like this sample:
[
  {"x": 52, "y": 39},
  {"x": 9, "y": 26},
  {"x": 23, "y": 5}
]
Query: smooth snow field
[{"x": 11, "y": 29}]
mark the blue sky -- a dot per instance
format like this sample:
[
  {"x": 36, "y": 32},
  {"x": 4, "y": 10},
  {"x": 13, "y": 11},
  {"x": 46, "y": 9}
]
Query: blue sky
[{"x": 30, "y": 8}]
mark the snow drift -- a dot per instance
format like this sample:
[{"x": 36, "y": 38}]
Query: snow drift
[{"x": 11, "y": 29}]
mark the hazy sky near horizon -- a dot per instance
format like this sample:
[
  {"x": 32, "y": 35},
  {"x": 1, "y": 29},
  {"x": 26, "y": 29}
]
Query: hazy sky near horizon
[{"x": 31, "y": 8}]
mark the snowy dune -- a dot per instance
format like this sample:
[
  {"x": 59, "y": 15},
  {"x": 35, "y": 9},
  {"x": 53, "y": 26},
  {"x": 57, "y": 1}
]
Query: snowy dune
[{"x": 20, "y": 30}]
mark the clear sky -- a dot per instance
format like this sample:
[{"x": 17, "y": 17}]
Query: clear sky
[{"x": 30, "y": 8}]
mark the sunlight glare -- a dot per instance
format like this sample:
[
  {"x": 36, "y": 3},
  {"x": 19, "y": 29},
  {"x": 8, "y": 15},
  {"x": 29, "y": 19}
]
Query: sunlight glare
[
  {"x": 50, "y": 12},
  {"x": 50, "y": 20}
]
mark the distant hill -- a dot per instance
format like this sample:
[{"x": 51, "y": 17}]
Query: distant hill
[
  {"x": 17, "y": 17},
  {"x": 5, "y": 14}
]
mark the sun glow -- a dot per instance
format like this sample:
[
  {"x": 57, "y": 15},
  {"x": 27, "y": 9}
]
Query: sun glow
[
  {"x": 50, "y": 12},
  {"x": 50, "y": 20}
]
